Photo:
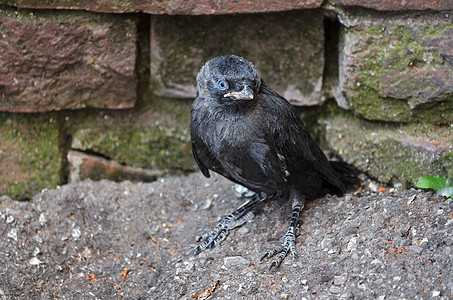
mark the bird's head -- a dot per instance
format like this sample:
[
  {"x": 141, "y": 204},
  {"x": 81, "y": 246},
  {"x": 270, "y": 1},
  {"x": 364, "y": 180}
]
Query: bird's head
[{"x": 228, "y": 79}]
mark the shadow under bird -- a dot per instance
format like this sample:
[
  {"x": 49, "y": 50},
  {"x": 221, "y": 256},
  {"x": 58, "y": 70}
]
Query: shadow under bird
[{"x": 246, "y": 132}]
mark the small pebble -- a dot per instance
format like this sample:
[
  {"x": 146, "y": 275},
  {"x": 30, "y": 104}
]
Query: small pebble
[
  {"x": 76, "y": 233},
  {"x": 9, "y": 219},
  {"x": 13, "y": 234},
  {"x": 35, "y": 261},
  {"x": 42, "y": 219},
  {"x": 207, "y": 204},
  {"x": 352, "y": 244},
  {"x": 397, "y": 185},
  {"x": 373, "y": 186},
  {"x": 339, "y": 280},
  {"x": 243, "y": 230},
  {"x": 416, "y": 249},
  {"x": 37, "y": 238},
  {"x": 334, "y": 289},
  {"x": 235, "y": 261}
]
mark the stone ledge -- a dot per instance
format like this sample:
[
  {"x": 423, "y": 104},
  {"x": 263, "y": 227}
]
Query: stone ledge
[{"x": 76, "y": 241}]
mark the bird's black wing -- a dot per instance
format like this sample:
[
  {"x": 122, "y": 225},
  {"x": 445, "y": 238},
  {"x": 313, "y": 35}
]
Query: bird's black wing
[
  {"x": 309, "y": 170},
  {"x": 255, "y": 166},
  {"x": 237, "y": 150},
  {"x": 244, "y": 169},
  {"x": 202, "y": 167}
]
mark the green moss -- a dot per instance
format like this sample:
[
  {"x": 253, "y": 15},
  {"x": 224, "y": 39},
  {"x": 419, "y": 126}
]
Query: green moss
[
  {"x": 31, "y": 159},
  {"x": 156, "y": 136},
  {"x": 393, "y": 77},
  {"x": 374, "y": 107},
  {"x": 392, "y": 153},
  {"x": 137, "y": 146},
  {"x": 446, "y": 165}
]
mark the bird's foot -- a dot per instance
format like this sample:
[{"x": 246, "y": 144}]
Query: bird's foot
[
  {"x": 220, "y": 232},
  {"x": 288, "y": 245},
  {"x": 233, "y": 220},
  {"x": 289, "y": 240}
]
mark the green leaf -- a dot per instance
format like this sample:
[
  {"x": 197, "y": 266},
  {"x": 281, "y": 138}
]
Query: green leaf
[{"x": 437, "y": 183}]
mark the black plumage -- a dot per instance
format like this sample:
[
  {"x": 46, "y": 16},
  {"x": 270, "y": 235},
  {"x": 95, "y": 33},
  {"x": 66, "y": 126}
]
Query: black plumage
[{"x": 243, "y": 130}]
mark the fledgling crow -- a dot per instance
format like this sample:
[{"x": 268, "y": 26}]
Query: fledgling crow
[{"x": 248, "y": 133}]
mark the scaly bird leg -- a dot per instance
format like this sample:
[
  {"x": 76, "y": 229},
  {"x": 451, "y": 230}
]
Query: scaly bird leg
[
  {"x": 289, "y": 239},
  {"x": 233, "y": 220}
]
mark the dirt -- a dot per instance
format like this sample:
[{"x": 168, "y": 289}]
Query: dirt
[{"x": 107, "y": 240}]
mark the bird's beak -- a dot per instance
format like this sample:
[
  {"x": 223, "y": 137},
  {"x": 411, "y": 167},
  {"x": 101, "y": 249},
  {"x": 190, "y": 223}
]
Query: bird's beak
[{"x": 245, "y": 94}]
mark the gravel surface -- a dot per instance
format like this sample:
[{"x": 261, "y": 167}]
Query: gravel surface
[{"x": 106, "y": 240}]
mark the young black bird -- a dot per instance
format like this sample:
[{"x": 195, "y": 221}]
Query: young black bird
[{"x": 245, "y": 131}]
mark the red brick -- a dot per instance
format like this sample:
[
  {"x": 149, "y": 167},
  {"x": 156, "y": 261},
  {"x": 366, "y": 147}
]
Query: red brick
[
  {"x": 172, "y": 7},
  {"x": 66, "y": 60},
  {"x": 392, "y": 5},
  {"x": 83, "y": 166},
  {"x": 287, "y": 48}
]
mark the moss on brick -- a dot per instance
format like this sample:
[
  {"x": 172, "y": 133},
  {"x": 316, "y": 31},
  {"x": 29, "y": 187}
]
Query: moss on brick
[
  {"x": 398, "y": 72},
  {"x": 29, "y": 154},
  {"x": 392, "y": 152},
  {"x": 154, "y": 137}
]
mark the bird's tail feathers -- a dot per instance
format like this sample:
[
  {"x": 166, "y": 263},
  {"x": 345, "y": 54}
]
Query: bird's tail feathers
[{"x": 346, "y": 173}]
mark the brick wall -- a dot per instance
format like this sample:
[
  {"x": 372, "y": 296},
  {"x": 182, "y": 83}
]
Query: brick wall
[{"x": 101, "y": 89}]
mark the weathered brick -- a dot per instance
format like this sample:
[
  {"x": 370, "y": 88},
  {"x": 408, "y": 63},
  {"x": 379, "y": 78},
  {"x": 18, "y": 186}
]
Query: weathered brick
[
  {"x": 392, "y": 153},
  {"x": 83, "y": 166},
  {"x": 397, "y": 68},
  {"x": 29, "y": 155},
  {"x": 287, "y": 48},
  {"x": 66, "y": 60},
  {"x": 148, "y": 141},
  {"x": 172, "y": 7},
  {"x": 392, "y": 5}
]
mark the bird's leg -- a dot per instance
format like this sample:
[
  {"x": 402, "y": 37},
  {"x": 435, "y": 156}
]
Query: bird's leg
[
  {"x": 289, "y": 239},
  {"x": 233, "y": 220}
]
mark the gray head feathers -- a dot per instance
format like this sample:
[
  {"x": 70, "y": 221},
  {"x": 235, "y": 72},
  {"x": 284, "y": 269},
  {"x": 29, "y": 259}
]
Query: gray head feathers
[{"x": 231, "y": 72}]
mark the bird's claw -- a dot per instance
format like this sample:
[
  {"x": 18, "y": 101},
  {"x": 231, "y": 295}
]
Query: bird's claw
[
  {"x": 288, "y": 245},
  {"x": 220, "y": 232},
  {"x": 213, "y": 237}
]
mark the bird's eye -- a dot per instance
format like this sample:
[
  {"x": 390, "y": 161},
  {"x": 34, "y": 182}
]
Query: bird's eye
[
  {"x": 222, "y": 85},
  {"x": 257, "y": 82}
]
